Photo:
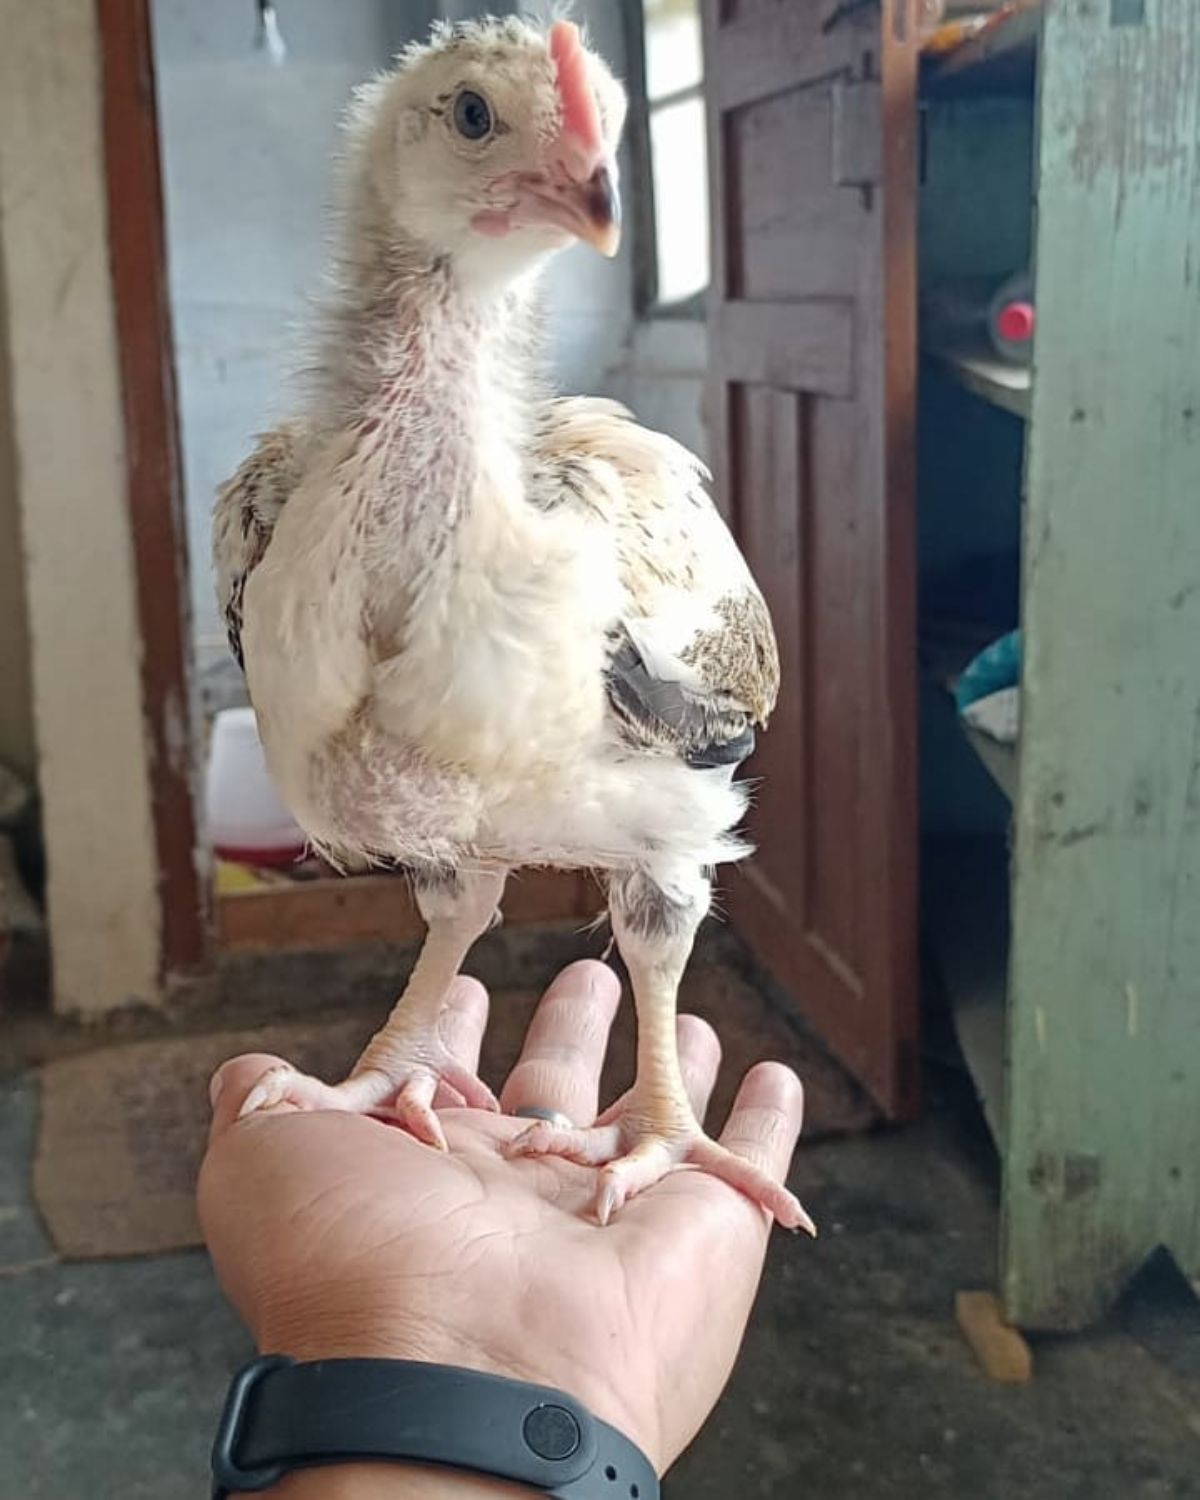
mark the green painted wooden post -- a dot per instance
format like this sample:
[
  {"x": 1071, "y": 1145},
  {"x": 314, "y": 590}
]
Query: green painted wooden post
[{"x": 1103, "y": 1150}]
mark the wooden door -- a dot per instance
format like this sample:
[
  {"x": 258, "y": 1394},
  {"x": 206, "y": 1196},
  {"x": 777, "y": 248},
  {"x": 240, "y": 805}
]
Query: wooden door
[{"x": 812, "y": 123}]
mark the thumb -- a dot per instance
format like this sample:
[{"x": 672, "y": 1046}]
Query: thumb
[{"x": 229, "y": 1085}]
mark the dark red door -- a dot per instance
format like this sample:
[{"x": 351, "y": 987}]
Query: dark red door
[{"x": 812, "y": 109}]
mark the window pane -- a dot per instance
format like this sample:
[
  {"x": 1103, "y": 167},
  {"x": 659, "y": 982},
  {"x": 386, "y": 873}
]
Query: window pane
[
  {"x": 680, "y": 165},
  {"x": 674, "y": 59}
]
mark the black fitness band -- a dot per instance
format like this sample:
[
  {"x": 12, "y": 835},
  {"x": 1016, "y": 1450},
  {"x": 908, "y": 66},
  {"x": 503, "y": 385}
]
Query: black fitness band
[{"x": 280, "y": 1416}]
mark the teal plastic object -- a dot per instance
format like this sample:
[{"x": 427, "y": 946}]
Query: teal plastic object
[{"x": 998, "y": 666}]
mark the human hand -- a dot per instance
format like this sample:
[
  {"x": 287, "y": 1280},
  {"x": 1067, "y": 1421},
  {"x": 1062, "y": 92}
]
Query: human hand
[{"x": 336, "y": 1235}]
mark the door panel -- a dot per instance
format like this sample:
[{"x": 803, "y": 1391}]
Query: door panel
[
  {"x": 786, "y": 245},
  {"x": 812, "y": 145}
]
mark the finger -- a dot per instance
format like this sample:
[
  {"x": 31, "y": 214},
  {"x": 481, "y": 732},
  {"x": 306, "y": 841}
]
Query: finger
[
  {"x": 560, "y": 1063},
  {"x": 461, "y": 1027},
  {"x": 765, "y": 1121},
  {"x": 699, "y": 1061},
  {"x": 232, "y": 1082}
]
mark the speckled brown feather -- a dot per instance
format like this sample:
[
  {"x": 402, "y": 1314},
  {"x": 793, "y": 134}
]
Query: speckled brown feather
[
  {"x": 247, "y": 507},
  {"x": 740, "y": 659},
  {"x": 670, "y": 544}
]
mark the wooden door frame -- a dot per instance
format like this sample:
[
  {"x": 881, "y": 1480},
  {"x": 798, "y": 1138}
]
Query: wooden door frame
[
  {"x": 898, "y": 873},
  {"x": 154, "y": 478}
]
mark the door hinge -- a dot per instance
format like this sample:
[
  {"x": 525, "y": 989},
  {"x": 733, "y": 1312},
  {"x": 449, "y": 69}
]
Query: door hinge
[
  {"x": 844, "y": 10},
  {"x": 856, "y": 146}
]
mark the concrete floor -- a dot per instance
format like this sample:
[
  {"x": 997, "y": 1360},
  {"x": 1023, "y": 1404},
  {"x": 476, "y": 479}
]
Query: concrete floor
[{"x": 853, "y": 1381}]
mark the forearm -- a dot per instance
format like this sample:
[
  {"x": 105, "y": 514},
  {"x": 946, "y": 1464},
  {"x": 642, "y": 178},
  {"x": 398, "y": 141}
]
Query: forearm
[{"x": 392, "y": 1482}]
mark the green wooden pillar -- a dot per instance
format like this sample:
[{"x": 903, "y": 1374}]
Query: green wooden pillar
[{"x": 1102, "y": 1159}]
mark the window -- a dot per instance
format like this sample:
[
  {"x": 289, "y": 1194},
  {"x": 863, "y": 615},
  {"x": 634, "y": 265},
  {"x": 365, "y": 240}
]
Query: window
[{"x": 673, "y": 256}]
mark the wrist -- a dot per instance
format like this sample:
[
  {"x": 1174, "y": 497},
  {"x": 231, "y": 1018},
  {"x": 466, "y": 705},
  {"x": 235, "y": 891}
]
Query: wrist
[
  {"x": 320, "y": 1331},
  {"x": 371, "y": 1428},
  {"x": 345, "y": 1322},
  {"x": 392, "y": 1482}
]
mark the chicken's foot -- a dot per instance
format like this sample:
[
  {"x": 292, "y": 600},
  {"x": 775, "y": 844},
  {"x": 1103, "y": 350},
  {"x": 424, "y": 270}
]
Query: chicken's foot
[
  {"x": 404, "y": 1063},
  {"x": 653, "y": 1129}
]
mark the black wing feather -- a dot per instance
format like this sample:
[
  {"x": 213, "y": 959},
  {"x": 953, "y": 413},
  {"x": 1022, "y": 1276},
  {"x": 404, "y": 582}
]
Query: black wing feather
[{"x": 658, "y": 712}]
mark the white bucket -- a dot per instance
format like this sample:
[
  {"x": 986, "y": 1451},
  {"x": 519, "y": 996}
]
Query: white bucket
[{"x": 247, "y": 821}]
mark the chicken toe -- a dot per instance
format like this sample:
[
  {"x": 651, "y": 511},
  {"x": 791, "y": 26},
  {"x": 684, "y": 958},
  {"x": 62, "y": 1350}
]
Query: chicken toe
[
  {"x": 398, "y": 1078},
  {"x": 636, "y": 1147}
]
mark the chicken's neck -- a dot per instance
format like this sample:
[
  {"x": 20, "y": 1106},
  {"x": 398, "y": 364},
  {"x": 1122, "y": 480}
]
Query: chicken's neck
[{"x": 433, "y": 388}]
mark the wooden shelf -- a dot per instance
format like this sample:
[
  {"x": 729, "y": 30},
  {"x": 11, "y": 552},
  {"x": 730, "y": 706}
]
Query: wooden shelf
[
  {"x": 967, "y": 917},
  {"x": 322, "y": 914},
  {"x": 1000, "y": 760},
  {"x": 1001, "y": 61},
  {"x": 1007, "y": 386}
]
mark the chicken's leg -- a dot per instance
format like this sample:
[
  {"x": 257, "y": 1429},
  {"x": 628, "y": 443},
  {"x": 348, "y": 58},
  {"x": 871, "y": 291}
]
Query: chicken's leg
[
  {"x": 653, "y": 1128},
  {"x": 404, "y": 1062}
]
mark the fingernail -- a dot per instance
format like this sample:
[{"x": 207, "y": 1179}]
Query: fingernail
[{"x": 216, "y": 1085}]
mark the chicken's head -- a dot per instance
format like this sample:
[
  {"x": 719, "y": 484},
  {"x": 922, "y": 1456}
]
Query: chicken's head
[{"x": 495, "y": 145}]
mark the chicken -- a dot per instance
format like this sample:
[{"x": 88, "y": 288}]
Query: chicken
[{"x": 483, "y": 628}]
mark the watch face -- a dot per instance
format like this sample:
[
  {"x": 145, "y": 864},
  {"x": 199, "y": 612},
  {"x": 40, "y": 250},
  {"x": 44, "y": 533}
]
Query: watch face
[{"x": 552, "y": 1432}]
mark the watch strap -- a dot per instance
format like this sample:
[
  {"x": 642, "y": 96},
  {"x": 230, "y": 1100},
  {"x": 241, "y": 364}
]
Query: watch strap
[{"x": 281, "y": 1415}]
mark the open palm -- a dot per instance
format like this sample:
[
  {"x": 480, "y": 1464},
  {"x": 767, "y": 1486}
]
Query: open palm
[{"x": 336, "y": 1235}]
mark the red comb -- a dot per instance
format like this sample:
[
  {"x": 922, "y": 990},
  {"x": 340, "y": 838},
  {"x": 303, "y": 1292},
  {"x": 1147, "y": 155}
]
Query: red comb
[{"x": 581, "y": 118}]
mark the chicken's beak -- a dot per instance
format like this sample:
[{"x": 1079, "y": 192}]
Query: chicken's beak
[
  {"x": 588, "y": 185},
  {"x": 600, "y": 211},
  {"x": 583, "y": 202}
]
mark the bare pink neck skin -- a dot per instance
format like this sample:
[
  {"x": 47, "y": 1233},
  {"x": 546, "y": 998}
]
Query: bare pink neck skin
[{"x": 433, "y": 388}]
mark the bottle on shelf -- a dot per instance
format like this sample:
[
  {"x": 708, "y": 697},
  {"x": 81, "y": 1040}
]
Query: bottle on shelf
[{"x": 1012, "y": 319}]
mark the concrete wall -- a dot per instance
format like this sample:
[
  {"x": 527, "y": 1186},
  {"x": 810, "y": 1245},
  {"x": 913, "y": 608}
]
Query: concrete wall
[{"x": 61, "y": 370}]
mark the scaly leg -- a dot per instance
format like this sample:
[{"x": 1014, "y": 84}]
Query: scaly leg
[
  {"x": 653, "y": 1129},
  {"x": 403, "y": 1063}
]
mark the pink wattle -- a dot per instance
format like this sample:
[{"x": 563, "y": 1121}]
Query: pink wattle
[
  {"x": 492, "y": 221},
  {"x": 580, "y": 116}
]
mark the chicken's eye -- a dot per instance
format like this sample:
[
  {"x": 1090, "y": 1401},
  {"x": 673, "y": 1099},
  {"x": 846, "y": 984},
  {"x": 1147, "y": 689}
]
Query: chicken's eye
[{"x": 472, "y": 117}]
